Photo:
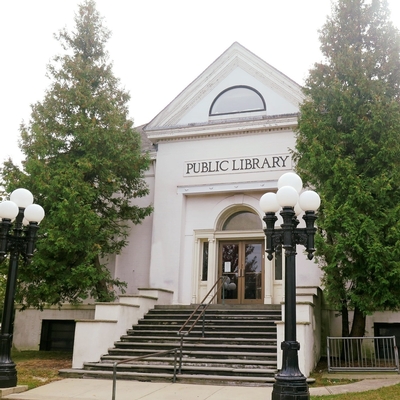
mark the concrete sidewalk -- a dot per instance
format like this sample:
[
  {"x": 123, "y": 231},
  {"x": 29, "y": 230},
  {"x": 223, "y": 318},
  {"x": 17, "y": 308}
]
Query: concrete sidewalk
[{"x": 85, "y": 389}]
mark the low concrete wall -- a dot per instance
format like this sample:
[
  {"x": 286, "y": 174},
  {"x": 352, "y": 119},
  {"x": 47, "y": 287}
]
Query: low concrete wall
[
  {"x": 111, "y": 321},
  {"x": 94, "y": 337},
  {"x": 28, "y": 323}
]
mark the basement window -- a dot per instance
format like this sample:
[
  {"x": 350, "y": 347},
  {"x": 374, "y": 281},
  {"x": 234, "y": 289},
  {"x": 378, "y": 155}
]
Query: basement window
[
  {"x": 388, "y": 329},
  {"x": 57, "y": 335}
]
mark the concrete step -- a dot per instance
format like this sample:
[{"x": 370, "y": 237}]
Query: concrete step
[
  {"x": 207, "y": 333},
  {"x": 196, "y": 346},
  {"x": 211, "y": 318},
  {"x": 186, "y": 369},
  {"x": 222, "y": 307},
  {"x": 127, "y": 353},
  {"x": 151, "y": 324},
  {"x": 233, "y": 363},
  {"x": 213, "y": 315},
  {"x": 193, "y": 339},
  {"x": 183, "y": 378},
  {"x": 237, "y": 323},
  {"x": 239, "y": 347}
]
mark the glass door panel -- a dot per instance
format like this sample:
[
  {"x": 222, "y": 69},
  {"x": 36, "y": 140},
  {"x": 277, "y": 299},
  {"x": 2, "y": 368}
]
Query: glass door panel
[
  {"x": 230, "y": 268},
  {"x": 242, "y": 262},
  {"x": 253, "y": 271}
]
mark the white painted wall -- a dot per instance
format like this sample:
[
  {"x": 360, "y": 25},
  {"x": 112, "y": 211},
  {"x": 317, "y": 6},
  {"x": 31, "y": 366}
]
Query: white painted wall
[
  {"x": 93, "y": 337},
  {"x": 177, "y": 215},
  {"x": 132, "y": 264},
  {"x": 28, "y": 323}
]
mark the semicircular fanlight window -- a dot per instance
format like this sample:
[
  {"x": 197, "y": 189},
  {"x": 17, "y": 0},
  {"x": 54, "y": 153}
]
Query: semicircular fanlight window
[
  {"x": 242, "y": 221},
  {"x": 237, "y": 99}
]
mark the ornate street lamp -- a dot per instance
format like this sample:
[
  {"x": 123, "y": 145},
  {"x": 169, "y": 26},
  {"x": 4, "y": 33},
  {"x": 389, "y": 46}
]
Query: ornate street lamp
[
  {"x": 290, "y": 383},
  {"x": 18, "y": 233}
]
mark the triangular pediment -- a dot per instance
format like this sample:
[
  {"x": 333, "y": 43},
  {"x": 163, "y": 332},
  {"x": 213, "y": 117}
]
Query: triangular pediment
[{"x": 237, "y": 66}]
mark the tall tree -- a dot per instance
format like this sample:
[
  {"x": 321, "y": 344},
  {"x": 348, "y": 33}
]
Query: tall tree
[
  {"x": 348, "y": 148},
  {"x": 84, "y": 165}
]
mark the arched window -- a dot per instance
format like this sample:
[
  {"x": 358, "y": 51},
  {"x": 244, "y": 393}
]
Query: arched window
[
  {"x": 242, "y": 221},
  {"x": 237, "y": 99}
]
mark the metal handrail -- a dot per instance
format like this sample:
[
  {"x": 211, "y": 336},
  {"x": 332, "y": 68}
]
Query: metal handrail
[
  {"x": 127, "y": 360},
  {"x": 218, "y": 283}
]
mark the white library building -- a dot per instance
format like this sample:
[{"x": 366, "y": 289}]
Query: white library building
[{"x": 216, "y": 148}]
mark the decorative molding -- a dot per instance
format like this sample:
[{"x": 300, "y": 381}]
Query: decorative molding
[
  {"x": 225, "y": 128},
  {"x": 227, "y": 187},
  {"x": 195, "y": 96},
  {"x": 235, "y": 56}
]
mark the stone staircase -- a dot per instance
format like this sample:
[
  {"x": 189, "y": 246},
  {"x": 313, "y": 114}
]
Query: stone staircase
[{"x": 239, "y": 347}]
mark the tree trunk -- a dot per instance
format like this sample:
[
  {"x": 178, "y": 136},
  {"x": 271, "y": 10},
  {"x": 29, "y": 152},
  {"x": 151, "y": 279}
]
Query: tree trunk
[
  {"x": 102, "y": 290},
  {"x": 357, "y": 330},
  {"x": 358, "y": 327},
  {"x": 345, "y": 329},
  {"x": 345, "y": 320}
]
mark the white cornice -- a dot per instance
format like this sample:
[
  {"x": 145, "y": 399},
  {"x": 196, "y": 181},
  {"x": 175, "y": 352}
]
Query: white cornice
[
  {"x": 222, "y": 128},
  {"x": 228, "y": 187}
]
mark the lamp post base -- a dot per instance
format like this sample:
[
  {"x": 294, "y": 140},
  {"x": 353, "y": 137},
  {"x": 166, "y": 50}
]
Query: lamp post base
[
  {"x": 8, "y": 372},
  {"x": 290, "y": 383},
  {"x": 290, "y": 388}
]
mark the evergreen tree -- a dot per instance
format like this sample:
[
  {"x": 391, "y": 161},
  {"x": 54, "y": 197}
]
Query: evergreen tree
[
  {"x": 348, "y": 149},
  {"x": 84, "y": 165}
]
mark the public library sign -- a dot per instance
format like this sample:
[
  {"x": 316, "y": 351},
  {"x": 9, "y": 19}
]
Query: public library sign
[{"x": 238, "y": 165}]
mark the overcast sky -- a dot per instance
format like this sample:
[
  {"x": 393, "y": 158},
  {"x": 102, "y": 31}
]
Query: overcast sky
[{"x": 158, "y": 47}]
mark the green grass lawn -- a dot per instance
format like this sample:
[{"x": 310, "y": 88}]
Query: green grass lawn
[
  {"x": 36, "y": 368},
  {"x": 386, "y": 393},
  {"x": 322, "y": 379}
]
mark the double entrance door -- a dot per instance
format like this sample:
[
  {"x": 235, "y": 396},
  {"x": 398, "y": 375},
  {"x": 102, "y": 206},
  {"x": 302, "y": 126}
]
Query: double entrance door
[{"x": 242, "y": 262}]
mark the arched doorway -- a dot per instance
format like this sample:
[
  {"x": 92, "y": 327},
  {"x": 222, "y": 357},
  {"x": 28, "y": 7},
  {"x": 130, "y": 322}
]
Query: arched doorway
[
  {"x": 241, "y": 258},
  {"x": 237, "y": 238}
]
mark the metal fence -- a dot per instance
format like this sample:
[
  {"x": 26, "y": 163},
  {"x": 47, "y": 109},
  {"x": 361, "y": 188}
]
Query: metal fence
[{"x": 362, "y": 354}]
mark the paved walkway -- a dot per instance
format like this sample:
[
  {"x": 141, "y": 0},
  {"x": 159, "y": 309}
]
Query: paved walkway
[{"x": 86, "y": 389}]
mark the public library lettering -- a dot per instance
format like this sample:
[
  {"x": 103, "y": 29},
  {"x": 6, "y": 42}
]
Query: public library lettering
[{"x": 232, "y": 165}]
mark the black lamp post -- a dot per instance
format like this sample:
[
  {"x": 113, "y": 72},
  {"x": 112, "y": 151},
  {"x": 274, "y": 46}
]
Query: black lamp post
[
  {"x": 18, "y": 232},
  {"x": 290, "y": 383}
]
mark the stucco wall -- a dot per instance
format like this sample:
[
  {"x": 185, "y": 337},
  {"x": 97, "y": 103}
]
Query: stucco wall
[
  {"x": 28, "y": 323},
  {"x": 133, "y": 263},
  {"x": 178, "y": 211}
]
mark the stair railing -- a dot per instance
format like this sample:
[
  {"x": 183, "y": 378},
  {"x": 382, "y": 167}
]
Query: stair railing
[
  {"x": 127, "y": 360},
  {"x": 203, "y": 305}
]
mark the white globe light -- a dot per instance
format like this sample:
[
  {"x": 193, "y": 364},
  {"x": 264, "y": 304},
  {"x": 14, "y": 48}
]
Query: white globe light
[
  {"x": 287, "y": 196},
  {"x": 309, "y": 201},
  {"x": 290, "y": 179},
  {"x": 8, "y": 209},
  {"x": 34, "y": 213},
  {"x": 269, "y": 203},
  {"x": 22, "y": 197}
]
